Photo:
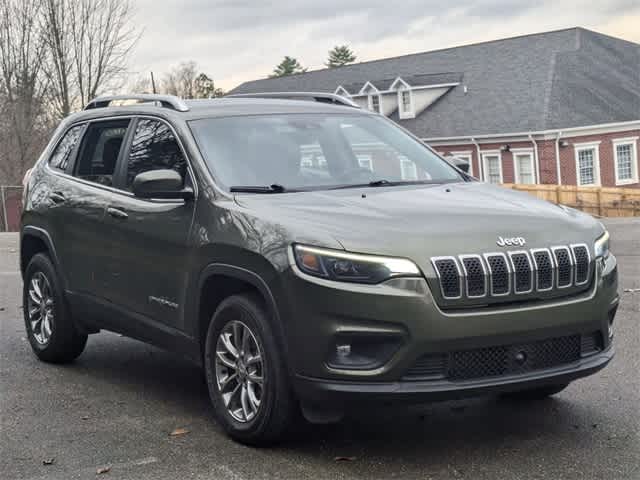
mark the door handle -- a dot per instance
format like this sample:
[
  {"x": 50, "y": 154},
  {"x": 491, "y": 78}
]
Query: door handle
[
  {"x": 57, "y": 197},
  {"x": 117, "y": 213}
]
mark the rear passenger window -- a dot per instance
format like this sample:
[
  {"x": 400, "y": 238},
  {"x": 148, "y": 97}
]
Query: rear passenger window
[
  {"x": 154, "y": 147},
  {"x": 60, "y": 158},
  {"x": 99, "y": 152}
]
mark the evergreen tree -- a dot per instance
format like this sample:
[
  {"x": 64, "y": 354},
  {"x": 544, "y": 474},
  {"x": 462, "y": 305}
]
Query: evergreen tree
[
  {"x": 288, "y": 66},
  {"x": 340, "y": 55}
]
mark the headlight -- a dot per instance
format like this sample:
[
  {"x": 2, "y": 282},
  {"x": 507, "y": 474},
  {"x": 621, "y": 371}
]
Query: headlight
[
  {"x": 602, "y": 245},
  {"x": 351, "y": 267}
]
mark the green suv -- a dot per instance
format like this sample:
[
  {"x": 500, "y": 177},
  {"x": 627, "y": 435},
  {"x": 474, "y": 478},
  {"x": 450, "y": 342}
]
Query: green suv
[{"x": 313, "y": 257}]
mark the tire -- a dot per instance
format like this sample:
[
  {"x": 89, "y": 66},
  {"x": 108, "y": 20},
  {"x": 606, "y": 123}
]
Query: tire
[
  {"x": 61, "y": 342},
  {"x": 536, "y": 393},
  {"x": 271, "y": 419}
]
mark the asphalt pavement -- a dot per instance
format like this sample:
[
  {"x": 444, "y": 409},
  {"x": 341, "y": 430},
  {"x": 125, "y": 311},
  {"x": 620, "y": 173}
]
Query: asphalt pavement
[{"x": 113, "y": 411}]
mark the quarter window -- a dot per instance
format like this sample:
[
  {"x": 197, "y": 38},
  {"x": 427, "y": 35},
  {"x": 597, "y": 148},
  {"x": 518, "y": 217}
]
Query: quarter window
[
  {"x": 626, "y": 161},
  {"x": 61, "y": 155},
  {"x": 154, "y": 147},
  {"x": 99, "y": 152}
]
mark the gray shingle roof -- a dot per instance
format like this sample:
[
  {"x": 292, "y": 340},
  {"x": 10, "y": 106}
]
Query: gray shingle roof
[{"x": 566, "y": 78}]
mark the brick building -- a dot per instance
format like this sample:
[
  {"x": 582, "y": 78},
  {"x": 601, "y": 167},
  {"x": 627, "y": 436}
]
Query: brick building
[{"x": 559, "y": 107}]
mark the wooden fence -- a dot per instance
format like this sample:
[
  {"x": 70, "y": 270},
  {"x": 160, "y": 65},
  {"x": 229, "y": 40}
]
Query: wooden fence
[{"x": 600, "y": 201}]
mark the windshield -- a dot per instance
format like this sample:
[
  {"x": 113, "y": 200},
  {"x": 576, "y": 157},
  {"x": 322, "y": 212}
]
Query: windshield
[{"x": 315, "y": 151}]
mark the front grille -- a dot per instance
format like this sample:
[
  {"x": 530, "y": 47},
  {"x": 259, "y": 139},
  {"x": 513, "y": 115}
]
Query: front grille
[
  {"x": 449, "y": 274},
  {"x": 544, "y": 269},
  {"x": 499, "y": 272},
  {"x": 476, "y": 276},
  {"x": 503, "y": 360},
  {"x": 522, "y": 273},
  {"x": 564, "y": 266},
  {"x": 582, "y": 262}
]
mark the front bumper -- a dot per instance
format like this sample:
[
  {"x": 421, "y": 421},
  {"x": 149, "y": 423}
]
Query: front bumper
[
  {"x": 341, "y": 394},
  {"x": 321, "y": 313}
]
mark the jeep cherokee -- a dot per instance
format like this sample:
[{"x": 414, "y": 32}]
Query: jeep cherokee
[{"x": 311, "y": 256}]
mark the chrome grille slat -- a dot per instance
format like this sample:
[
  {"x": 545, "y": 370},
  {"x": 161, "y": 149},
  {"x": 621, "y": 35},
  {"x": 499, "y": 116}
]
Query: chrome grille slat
[{"x": 518, "y": 272}]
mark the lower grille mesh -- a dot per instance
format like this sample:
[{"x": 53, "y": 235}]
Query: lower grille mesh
[{"x": 504, "y": 359}]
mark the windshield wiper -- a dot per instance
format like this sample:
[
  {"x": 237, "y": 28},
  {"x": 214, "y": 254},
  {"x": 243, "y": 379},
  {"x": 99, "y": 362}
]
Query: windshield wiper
[
  {"x": 273, "y": 188},
  {"x": 381, "y": 183}
]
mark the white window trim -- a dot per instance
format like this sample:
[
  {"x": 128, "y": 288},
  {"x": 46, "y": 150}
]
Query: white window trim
[
  {"x": 401, "y": 113},
  {"x": 370, "y": 102},
  {"x": 516, "y": 167},
  {"x": 633, "y": 141},
  {"x": 491, "y": 153},
  {"x": 595, "y": 146},
  {"x": 465, "y": 155}
]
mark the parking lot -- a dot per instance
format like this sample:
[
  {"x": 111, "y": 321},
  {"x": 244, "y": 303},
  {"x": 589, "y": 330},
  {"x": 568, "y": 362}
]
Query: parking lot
[{"x": 113, "y": 411}]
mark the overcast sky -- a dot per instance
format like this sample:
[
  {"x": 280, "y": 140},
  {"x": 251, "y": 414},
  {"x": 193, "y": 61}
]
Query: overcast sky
[{"x": 238, "y": 40}]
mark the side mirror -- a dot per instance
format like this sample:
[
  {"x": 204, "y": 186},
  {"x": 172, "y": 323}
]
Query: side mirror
[{"x": 166, "y": 184}]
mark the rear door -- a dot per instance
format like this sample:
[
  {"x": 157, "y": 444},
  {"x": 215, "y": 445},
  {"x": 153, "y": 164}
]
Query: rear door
[
  {"x": 149, "y": 238},
  {"x": 81, "y": 195}
]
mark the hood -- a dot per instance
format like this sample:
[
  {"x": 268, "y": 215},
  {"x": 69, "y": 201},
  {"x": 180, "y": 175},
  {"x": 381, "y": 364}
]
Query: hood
[{"x": 425, "y": 220}]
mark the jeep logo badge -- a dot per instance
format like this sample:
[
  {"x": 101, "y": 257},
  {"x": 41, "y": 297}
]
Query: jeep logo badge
[{"x": 510, "y": 242}]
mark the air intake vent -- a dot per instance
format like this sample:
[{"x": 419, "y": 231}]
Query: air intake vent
[
  {"x": 565, "y": 266},
  {"x": 544, "y": 269},
  {"x": 583, "y": 262},
  {"x": 447, "y": 270},
  {"x": 499, "y": 272},
  {"x": 428, "y": 367}
]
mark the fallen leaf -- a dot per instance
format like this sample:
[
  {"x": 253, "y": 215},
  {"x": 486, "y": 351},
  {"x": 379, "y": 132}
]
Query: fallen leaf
[
  {"x": 2, "y": 309},
  {"x": 344, "y": 459},
  {"x": 102, "y": 470},
  {"x": 179, "y": 431},
  {"x": 85, "y": 417},
  {"x": 48, "y": 461}
]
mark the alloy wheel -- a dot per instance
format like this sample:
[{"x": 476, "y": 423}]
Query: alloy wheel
[
  {"x": 239, "y": 371},
  {"x": 40, "y": 308}
]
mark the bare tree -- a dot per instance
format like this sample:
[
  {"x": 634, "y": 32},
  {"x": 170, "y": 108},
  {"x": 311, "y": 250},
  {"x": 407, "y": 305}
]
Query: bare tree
[
  {"x": 24, "y": 126},
  {"x": 89, "y": 42},
  {"x": 181, "y": 80}
]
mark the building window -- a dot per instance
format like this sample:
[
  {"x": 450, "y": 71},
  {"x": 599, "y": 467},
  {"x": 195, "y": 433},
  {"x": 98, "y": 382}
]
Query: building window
[
  {"x": 405, "y": 101},
  {"x": 523, "y": 167},
  {"x": 374, "y": 103},
  {"x": 626, "y": 160},
  {"x": 492, "y": 167},
  {"x": 587, "y": 164},
  {"x": 365, "y": 162},
  {"x": 408, "y": 170},
  {"x": 466, "y": 156}
]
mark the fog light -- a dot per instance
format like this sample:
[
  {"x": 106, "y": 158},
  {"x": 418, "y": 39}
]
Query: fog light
[
  {"x": 343, "y": 350},
  {"x": 355, "y": 351}
]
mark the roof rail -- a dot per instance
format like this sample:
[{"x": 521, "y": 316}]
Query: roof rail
[
  {"x": 166, "y": 101},
  {"x": 315, "y": 96}
]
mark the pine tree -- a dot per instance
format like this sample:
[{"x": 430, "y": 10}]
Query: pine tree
[
  {"x": 288, "y": 66},
  {"x": 340, "y": 55}
]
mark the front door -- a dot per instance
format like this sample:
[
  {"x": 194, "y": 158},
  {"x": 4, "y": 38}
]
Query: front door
[{"x": 149, "y": 239}]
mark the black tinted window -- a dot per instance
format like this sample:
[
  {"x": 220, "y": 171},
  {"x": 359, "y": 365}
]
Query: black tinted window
[
  {"x": 154, "y": 147},
  {"x": 99, "y": 152},
  {"x": 62, "y": 153}
]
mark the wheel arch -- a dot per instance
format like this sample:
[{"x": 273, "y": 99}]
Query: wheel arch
[
  {"x": 34, "y": 240},
  {"x": 225, "y": 280}
]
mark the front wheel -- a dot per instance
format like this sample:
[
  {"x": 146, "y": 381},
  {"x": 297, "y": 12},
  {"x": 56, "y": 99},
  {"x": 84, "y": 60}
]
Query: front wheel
[
  {"x": 52, "y": 334},
  {"x": 246, "y": 375}
]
